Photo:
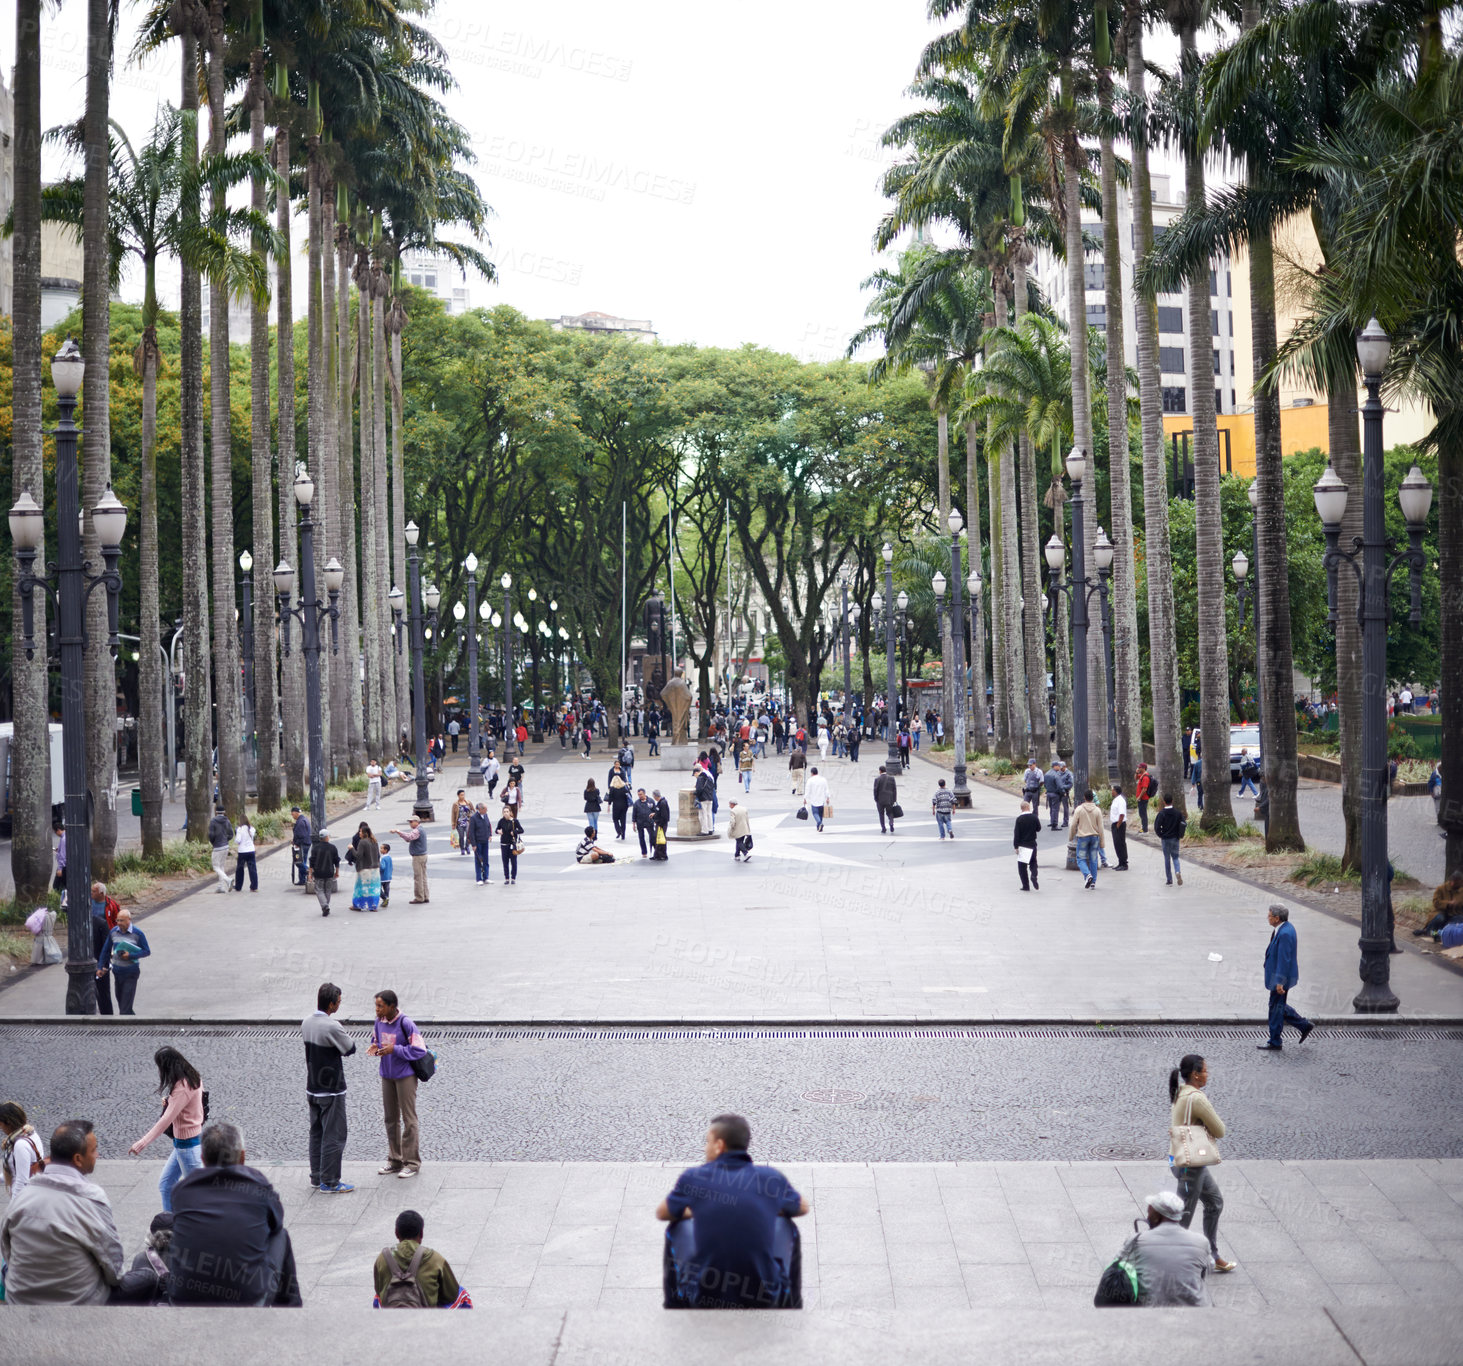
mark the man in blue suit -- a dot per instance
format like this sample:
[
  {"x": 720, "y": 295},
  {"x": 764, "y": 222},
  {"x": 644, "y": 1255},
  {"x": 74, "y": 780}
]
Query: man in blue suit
[{"x": 1282, "y": 972}]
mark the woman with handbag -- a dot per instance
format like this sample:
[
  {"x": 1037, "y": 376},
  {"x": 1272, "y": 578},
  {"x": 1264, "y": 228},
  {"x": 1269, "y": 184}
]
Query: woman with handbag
[
  {"x": 509, "y": 835},
  {"x": 182, "y": 1119},
  {"x": 1193, "y": 1128}
]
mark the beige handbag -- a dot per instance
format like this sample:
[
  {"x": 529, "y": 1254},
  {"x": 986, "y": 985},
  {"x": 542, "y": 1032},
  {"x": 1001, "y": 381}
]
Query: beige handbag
[{"x": 1189, "y": 1144}]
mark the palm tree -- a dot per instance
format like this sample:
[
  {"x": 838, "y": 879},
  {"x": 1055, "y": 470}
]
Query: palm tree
[
  {"x": 30, "y": 790},
  {"x": 350, "y": 598}
]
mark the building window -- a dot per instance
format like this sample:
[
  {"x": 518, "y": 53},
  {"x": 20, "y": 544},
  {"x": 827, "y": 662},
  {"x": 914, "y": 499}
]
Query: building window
[
  {"x": 1231, "y": 364},
  {"x": 1232, "y": 404},
  {"x": 416, "y": 279},
  {"x": 1217, "y": 370},
  {"x": 1171, "y": 320},
  {"x": 1096, "y": 315},
  {"x": 430, "y": 281},
  {"x": 1218, "y": 401},
  {"x": 1214, "y": 319},
  {"x": 1214, "y": 283},
  {"x": 1228, "y": 282},
  {"x": 1171, "y": 360},
  {"x": 1175, "y": 400},
  {"x": 1094, "y": 276},
  {"x": 1231, "y": 324}
]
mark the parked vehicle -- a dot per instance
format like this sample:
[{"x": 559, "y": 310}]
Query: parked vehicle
[
  {"x": 58, "y": 773},
  {"x": 1243, "y": 737}
]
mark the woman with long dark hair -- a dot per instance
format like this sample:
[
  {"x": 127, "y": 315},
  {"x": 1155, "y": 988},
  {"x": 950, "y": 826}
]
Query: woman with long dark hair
[
  {"x": 1189, "y": 1105},
  {"x": 182, "y": 1118},
  {"x": 367, "y": 893}
]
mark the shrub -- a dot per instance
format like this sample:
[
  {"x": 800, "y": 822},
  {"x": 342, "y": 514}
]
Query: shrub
[
  {"x": 177, "y": 856},
  {"x": 1317, "y": 868},
  {"x": 1003, "y": 768}
]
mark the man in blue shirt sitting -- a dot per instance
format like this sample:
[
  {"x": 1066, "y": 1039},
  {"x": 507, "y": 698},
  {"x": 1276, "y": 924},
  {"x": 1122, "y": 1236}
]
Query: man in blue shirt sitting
[{"x": 731, "y": 1243}]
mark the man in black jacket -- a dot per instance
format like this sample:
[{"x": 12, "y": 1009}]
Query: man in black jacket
[
  {"x": 662, "y": 823},
  {"x": 480, "y": 836},
  {"x": 1169, "y": 827},
  {"x": 326, "y": 1043},
  {"x": 886, "y": 796},
  {"x": 643, "y": 814},
  {"x": 230, "y": 1245},
  {"x": 300, "y": 838},
  {"x": 1028, "y": 827},
  {"x": 324, "y": 868}
]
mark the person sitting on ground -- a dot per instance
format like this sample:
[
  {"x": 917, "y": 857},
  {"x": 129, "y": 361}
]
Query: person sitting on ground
[
  {"x": 230, "y": 1245},
  {"x": 146, "y": 1282},
  {"x": 58, "y": 1238},
  {"x": 414, "y": 1276},
  {"x": 587, "y": 851},
  {"x": 731, "y": 1243},
  {"x": 1172, "y": 1261},
  {"x": 1447, "y": 906}
]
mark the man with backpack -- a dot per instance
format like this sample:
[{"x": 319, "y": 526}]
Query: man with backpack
[
  {"x": 414, "y": 1276},
  {"x": 1170, "y": 826}
]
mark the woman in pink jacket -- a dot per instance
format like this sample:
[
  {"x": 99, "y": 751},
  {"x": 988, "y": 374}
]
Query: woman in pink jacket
[{"x": 182, "y": 1118}]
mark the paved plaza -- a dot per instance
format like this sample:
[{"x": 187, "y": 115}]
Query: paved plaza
[{"x": 846, "y": 924}]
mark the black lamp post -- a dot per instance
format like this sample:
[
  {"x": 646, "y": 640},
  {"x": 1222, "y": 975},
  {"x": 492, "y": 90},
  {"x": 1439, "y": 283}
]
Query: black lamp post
[
  {"x": 423, "y": 609},
  {"x": 251, "y": 739},
  {"x": 310, "y": 613},
  {"x": 890, "y": 695},
  {"x": 507, "y": 582},
  {"x": 957, "y": 641},
  {"x": 972, "y": 590},
  {"x": 847, "y": 645},
  {"x": 68, "y": 585},
  {"x": 474, "y": 735},
  {"x": 1102, "y": 555},
  {"x": 535, "y": 710},
  {"x": 1245, "y": 590},
  {"x": 1372, "y": 561},
  {"x": 903, "y": 600},
  {"x": 1077, "y": 590}
]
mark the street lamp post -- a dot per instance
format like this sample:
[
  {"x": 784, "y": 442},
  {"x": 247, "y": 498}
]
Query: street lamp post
[
  {"x": 903, "y": 601},
  {"x": 310, "y": 613},
  {"x": 474, "y": 736},
  {"x": 847, "y": 653},
  {"x": 957, "y": 641},
  {"x": 1102, "y": 555},
  {"x": 507, "y": 582},
  {"x": 972, "y": 589},
  {"x": 1372, "y": 561},
  {"x": 1251, "y": 590},
  {"x": 535, "y": 710},
  {"x": 890, "y": 695},
  {"x": 423, "y": 609},
  {"x": 251, "y": 739},
  {"x": 69, "y": 584},
  {"x": 1076, "y": 590}
]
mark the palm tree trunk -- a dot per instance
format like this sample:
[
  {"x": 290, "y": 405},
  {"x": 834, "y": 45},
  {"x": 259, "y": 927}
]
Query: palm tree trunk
[
  {"x": 1033, "y": 622},
  {"x": 150, "y": 696},
  {"x": 316, "y": 417},
  {"x": 266, "y": 698},
  {"x": 977, "y": 674},
  {"x": 227, "y": 708},
  {"x": 1345, "y": 441},
  {"x": 338, "y": 755},
  {"x": 1274, "y": 662},
  {"x": 1062, "y": 629},
  {"x": 394, "y": 323},
  {"x": 292, "y": 668},
  {"x": 373, "y": 591},
  {"x": 392, "y": 719},
  {"x": 1000, "y": 694},
  {"x": 30, "y": 782},
  {"x": 1127, "y": 701},
  {"x": 197, "y": 690},
  {"x": 947, "y": 634},
  {"x": 96, "y": 440},
  {"x": 1208, "y": 525},
  {"x": 350, "y": 597},
  {"x": 1157, "y": 555}
]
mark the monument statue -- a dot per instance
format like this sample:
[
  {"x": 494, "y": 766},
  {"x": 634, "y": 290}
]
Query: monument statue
[{"x": 677, "y": 698}]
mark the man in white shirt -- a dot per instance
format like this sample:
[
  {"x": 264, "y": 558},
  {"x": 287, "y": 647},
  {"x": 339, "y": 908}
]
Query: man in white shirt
[
  {"x": 490, "y": 771},
  {"x": 373, "y": 785},
  {"x": 817, "y": 795},
  {"x": 1117, "y": 816}
]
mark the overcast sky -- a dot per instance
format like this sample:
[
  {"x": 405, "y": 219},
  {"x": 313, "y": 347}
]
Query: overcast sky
[{"x": 712, "y": 169}]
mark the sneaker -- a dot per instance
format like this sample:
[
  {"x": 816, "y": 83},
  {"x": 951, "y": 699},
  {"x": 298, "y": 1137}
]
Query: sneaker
[
  {"x": 339, "y": 1188},
  {"x": 1180, "y": 878},
  {"x": 390, "y": 1169},
  {"x": 406, "y": 1173}
]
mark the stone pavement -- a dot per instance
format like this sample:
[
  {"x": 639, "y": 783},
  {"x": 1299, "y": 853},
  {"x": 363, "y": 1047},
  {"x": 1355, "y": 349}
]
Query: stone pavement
[
  {"x": 923, "y": 1236},
  {"x": 844, "y": 924}
]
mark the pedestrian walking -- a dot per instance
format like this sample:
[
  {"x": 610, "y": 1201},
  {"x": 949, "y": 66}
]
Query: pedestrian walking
[
  {"x": 1087, "y": 831},
  {"x": 22, "y": 1154},
  {"x": 886, "y": 798},
  {"x": 104, "y": 913},
  {"x": 744, "y": 766},
  {"x": 740, "y": 832},
  {"x": 1282, "y": 972},
  {"x": 373, "y": 785},
  {"x": 367, "y": 893},
  {"x": 458, "y": 817},
  {"x": 943, "y": 805},
  {"x": 516, "y": 773},
  {"x": 480, "y": 836},
  {"x": 490, "y": 771},
  {"x": 416, "y": 845},
  {"x": 1023, "y": 841},
  {"x": 797, "y": 763},
  {"x": 1188, "y": 1106},
  {"x": 1143, "y": 793},
  {"x": 397, "y": 1041},
  {"x": 386, "y": 871},
  {"x": 904, "y": 743},
  {"x": 818, "y": 797},
  {"x": 1053, "y": 786},
  {"x": 1247, "y": 772},
  {"x": 220, "y": 832},
  {"x": 509, "y": 834},
  {"x": 662, "y": 827},
  {"x": 1169, "y": 825},
  {"x": 122, "y": 953},
  {"x": 326, "y": 1046},
  {"x": 1117, "y": 819},
  {"x": 182, "y": 1119},
  {"x": 704, "y": 788},
  {"x": 592, "y": 805},
  {"x": 587, "y": 739},
  {"x": 454, "y": 729},
  {"x": 1196, "y": 773},
  {"x": 324, "y": 869},
  {"x": 247, "y": 859},
  {"x": 300, "y": 848},
  {"x": 619, "y": 790},
  {"x": 1435, "y": 791}
]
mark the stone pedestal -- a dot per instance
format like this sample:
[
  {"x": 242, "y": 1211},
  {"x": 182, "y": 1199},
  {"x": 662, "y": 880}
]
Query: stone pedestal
[
  {"x": 675, "y": 759},
  {"x": 688, "y": 819}
]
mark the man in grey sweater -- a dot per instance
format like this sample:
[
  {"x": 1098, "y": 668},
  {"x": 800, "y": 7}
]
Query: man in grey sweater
[
  {"x": 58, "y": 1238},
  {"x": 1172, "y": 1261},
  {"x": 220, "y": 832},
  {"x": 326, "y": 1043}
]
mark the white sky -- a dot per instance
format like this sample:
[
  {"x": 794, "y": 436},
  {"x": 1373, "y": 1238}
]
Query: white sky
[{"x": 712, "y": 169}]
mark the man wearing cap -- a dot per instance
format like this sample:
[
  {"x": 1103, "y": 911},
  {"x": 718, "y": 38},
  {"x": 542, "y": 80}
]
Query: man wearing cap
[
  {"x": 301, "y": 840},
  {"x": 416, "y": 846},
  {"x": 1172, "y": 1261}
]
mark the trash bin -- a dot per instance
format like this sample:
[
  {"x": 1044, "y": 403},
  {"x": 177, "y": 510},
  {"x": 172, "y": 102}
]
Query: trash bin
[{"x": 137, "y": 801}]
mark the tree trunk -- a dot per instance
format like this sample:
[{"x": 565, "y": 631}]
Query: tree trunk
[
  {"x": 338, "y": 756},
  {"x": 977, "y": 728},
  {"x": 350, "y": 597},
  {"x": 150, "y": 695},
  {"x": 30, "y": 781},
  {"x": 1345, "y": 439},
  {"x": 292, "y": 670},
  {"x": 1062, "y": 623},
  {"x": 947, "y": 633},
  {"x": 394, "y": 321},
  {"x": 1157, "y": 557},
  {"x": 96, "y": 440},
  {"x": 1013, "y": 662},
  {"x": 266, "y": 696},
  {"x": 1127, "y": 701},
  {"x": 1033, "y": 622},
  {"x": 1000, "y": 696},
  {"x": 1208, "y": 525},
  {"x": 373, "y": 590},
  {"x": 396, "y": 717},
  {"x": 317, "y": 425},
  {"x": 197, "y": 689}
]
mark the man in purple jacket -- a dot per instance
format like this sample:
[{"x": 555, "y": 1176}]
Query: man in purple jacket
[{"x": 398, "y": 1043}]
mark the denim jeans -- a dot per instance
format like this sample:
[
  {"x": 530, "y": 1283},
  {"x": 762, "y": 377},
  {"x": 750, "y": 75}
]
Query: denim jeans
[
  {"x": 747, "y": 779},
  {"x": 182, "y": 1161},
  {"x": 1171, "y": 858},
  {"x": 591, "y": 819},
  {"x": 817, "y": 816},
  {"x": 1087, "y": 855},
  {"x": 945, "y": 823},
  {"x": 1245, "y": 782}
]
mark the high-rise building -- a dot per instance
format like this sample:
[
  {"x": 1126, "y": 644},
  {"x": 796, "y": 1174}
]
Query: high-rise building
[
  {"x": 438, "y": 274},
  {"x": 1174, "y": 360},
  {"x": 604, "y": 324},
  {"x": 7, "y": 191}
]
